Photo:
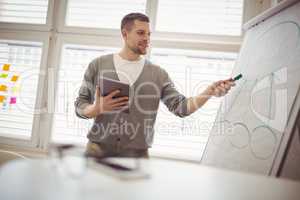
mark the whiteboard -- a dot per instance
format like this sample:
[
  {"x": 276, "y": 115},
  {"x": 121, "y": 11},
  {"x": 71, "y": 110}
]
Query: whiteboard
[{"x": 252, "y": 119}]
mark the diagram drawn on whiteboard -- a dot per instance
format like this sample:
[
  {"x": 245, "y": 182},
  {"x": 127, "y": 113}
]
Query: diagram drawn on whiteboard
[{"x": 254, "y": 114}]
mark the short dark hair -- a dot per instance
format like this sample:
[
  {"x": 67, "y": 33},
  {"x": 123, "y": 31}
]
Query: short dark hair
[{"x": 128, "y": 19}]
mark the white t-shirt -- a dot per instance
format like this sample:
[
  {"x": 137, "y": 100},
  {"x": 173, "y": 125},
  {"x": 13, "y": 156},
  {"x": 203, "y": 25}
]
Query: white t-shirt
[{"x": 128, "y": 71}]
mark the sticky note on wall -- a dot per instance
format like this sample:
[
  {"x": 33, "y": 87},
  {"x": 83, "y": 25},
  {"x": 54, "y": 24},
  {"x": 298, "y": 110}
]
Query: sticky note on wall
[
  {"x": 15, "y": 89},
  {"x": 3, "y": 88},
  {"x": 6, "y": 67},
  {"x": 2, "y": 98},
  {"x": 14, "y": 78},
  {"x": 13, "y": 100},
  {"x": 3, "y": 75}
]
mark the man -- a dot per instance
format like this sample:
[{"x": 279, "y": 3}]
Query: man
[{"x": 115, "y": 132}]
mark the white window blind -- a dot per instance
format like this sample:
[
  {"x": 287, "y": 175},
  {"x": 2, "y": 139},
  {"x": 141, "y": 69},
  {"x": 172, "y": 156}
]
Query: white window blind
[
  {"x": 19, "y": 71},
  {"x": 216, "y": 17},
  {"x": 191, "y": 71},
  {"x": 24, "y": 11},
  {"x": 67, "y": 127},
  {"x": 101, "y": 13}
]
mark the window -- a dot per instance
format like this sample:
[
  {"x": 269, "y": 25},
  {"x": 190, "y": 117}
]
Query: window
[
  {"x": 67, "y": 127},
  {"x": 101, "y": 13},
  {"x": 20, "y": 63},
  {"x": 191, "y": 72},
  {"x": 20, "y": 11},
  {"x": 216, "y": 17}
]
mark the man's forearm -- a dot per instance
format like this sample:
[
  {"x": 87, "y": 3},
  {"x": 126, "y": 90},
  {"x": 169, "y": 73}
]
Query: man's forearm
[
  {"x": 194, "y": 103},
  {"x": 90, "y": 111}
]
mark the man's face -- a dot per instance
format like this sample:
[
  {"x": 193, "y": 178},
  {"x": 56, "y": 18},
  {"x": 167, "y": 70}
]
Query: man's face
[{"x": 138, "y": 37}]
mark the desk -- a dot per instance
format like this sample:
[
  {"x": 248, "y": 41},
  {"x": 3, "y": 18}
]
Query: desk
[{"x": 36, "y": 180}]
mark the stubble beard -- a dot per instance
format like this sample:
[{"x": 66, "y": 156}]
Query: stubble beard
[{"x": 136, "y": 50}]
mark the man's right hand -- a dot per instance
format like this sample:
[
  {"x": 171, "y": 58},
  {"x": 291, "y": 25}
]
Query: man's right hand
[{"x": 109, "y": 102}]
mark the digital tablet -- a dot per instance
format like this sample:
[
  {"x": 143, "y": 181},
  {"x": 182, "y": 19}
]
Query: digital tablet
[{"x": 108, "y": 85}]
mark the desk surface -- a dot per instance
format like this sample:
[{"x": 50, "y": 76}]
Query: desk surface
[{"x": 37, "y": 179}]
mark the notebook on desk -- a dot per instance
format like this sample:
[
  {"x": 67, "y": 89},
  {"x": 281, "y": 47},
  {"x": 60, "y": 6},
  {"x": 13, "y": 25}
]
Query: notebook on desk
[{"x": 118, "y": 169}]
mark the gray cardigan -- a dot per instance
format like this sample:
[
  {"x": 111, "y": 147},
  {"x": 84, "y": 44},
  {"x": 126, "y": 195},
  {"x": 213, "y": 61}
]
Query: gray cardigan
[{"x": 134, "y": 129}]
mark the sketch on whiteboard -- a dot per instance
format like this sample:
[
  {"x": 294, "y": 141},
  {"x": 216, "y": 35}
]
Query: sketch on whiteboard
[{"x": 253, "y": 116}]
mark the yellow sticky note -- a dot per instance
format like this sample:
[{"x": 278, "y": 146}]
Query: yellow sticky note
[
  {"x": 3, "y": 88},
  {"x": 14, "y": 78},
  {"x": 6, "y": 67},
  {"x": 2, "y": 98},
  {"x": 15, "y": 89}
]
